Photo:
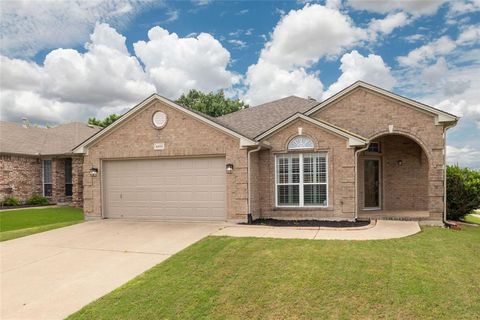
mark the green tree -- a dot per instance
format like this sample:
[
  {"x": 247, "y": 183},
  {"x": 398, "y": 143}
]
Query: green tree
[
  {"x": 213, "y": 104},
  {"x": 105, "y": 122},
  {"x": 463, "y": 191}
]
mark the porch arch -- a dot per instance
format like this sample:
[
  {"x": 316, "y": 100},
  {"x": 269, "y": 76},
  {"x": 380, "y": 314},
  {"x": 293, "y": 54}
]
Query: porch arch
[{"x": 404, "y": 164}]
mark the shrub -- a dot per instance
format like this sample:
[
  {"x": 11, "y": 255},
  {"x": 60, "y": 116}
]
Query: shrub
[
  {"x": 463, "y": 191},
  {"x": 37, "y": 200},
  {"x": 11, "y": 202}
]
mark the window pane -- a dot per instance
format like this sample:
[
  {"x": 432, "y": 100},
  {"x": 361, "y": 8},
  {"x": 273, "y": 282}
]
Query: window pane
[
  {"x": 47, "y": 189},
  {"x": 288, "y": 195},
  {"x": 288, "y": 169},
  {"x": 68, "y": 170},
  {"x": 308, "y": 169},
  {"x": 282, "y": 167},
  {"x": 321, "y": 169},
  {"x": 68, "y": 190},
  {"x": 47, "y": 171},
  {"x": 295, "y": 176},
  {"x": 315, "y": 195}
]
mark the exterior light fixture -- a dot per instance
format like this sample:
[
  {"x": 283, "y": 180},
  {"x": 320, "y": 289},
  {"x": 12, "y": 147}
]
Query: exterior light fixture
[
  {"x": 399, "y": 163},
  {"x": 229, "y": 168},
  {"x": 93, "y": 172}
]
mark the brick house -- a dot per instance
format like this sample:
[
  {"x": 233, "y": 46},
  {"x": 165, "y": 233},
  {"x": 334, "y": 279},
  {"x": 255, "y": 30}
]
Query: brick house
[
  {"x": 363, "y": 153},
  {"x": 40, "y": 161}
]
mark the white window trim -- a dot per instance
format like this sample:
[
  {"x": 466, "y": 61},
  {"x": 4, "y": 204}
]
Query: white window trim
[{"x": 301, "y": 184}]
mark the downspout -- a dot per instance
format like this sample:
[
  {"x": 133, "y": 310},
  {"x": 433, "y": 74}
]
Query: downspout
[
  {"x": 445, "y": 171},
  {"x": 356, "y": 177},
  {"x": 249, "y": 213}
]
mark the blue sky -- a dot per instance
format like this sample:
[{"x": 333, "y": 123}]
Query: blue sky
[{"x": 66, "y": 61}]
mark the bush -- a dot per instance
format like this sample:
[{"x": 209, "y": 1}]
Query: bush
[
  {"x": 10, "y": 202},
  {"x": 463, "y": 191},
  {"x": 37, "y": 200}
]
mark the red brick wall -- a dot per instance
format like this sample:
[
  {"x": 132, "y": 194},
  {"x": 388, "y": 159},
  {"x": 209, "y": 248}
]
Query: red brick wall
[{"x": 23, "y": 173}]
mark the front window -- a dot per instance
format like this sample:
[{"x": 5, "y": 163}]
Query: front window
[
  {"x": 47, "y": 178},
  {"x": 301, "y": 180},
  {"x": 68, "y": 177}
]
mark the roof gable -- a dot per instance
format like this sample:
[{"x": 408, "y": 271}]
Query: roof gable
[
  {"x": 353, "y": 139},
  {"x": 244, "y": 141},
  {"x": 440, "y": 116}
]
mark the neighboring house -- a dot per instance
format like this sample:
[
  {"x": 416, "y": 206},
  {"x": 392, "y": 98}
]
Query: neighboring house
[
  {"x": 363, "y": 153},
  {"x": 35, "y": 160}
]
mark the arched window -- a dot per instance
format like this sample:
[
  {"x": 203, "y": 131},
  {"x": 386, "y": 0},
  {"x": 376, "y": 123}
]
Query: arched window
[{"x": 300, "y": 142}]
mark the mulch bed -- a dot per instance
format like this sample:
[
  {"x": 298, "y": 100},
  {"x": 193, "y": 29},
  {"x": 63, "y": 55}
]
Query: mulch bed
[{"x": 310, "y": 223}]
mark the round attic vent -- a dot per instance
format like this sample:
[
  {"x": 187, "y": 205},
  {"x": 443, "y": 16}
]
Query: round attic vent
[{"x": 159, "y": 119}]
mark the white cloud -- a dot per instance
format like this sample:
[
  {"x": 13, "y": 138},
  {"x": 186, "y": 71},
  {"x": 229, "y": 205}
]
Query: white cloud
[
  {"x": 469, "y": 36},
  {"x": 172, "y": 15},
  {"x": 356, "y": 67},
  {"x": 463, "y": 7},
  {"x": 428, "y": 52},
  {"x": 414, "y": 38},
  {"x": 70, "y": 84},
  {"x": 176, "y": 65},
  {"x": 388, "y": 24},
  {"x": 464, "y": 156},
  {"x": 414, "y": 7},
  {"x": 238, "y": 43},
  {"x": 304, "y": 36},
  {"x": 267, "y": 82},
  {"x": 202, "y": 2},
  {"x": 300, "y": 39},
  {"x": 28, "y": 26},
  {"x": 106, "y": 78}
]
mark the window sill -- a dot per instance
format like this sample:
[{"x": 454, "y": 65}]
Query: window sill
[{"x": 303, "y": 209}]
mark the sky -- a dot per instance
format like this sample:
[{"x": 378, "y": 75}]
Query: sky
[{"x": 63, "y": 61}]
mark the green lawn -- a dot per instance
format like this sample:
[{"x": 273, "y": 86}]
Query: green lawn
[
  {"x": 472, "y": 219},
  {"x": 20, "y": 223},
  {"x": 431, "y": 275}
]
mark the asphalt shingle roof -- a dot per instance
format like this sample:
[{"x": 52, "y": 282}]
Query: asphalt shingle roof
[
  {"x": 255, "y": 120},
  {"x": 18, "y": 139}
]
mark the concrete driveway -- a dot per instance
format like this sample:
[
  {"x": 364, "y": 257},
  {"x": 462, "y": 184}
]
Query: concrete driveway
[{"x": 53, "y": 274}]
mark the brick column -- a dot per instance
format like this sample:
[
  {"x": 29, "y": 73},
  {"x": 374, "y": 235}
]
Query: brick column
[{"x": 77, "y": 181}]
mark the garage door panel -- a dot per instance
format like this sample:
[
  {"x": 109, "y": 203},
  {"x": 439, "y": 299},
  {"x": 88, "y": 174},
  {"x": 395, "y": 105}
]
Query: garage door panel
[{"x": 188, "y": 188}]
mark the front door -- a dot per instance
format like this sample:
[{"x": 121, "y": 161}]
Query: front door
[{"x": 372, "y": 184}]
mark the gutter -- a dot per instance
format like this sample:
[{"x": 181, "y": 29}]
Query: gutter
[
  {"x": 356, "y": 177},
  {"x": 445, "y": 171},
  {"x": 249, "y": 213}
]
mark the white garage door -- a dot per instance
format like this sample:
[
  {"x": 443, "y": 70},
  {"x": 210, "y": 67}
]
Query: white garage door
[{"x": 175, "y": 189}]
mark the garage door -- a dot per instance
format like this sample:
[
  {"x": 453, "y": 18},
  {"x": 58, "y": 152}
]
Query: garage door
[{"x": 166, "y": 189}]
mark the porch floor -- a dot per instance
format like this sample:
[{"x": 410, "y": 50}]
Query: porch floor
[{"x": 412, "y": 215}]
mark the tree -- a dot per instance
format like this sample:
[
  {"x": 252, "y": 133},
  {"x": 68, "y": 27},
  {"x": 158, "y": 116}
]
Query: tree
[
  {"x": 105, "y": 122},
  {"x": 213, "y": 104},
  {"x": 463, "y": 191}
]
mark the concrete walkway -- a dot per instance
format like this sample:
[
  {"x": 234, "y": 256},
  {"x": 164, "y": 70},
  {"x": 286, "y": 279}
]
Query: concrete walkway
[
  {"x": 53, "y": 274},
  {"x": 383, "y": 229}
]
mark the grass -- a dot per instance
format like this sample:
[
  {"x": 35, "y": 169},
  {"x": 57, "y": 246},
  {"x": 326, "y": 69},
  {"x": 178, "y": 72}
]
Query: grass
[
  {"x": 20, "y": 223},
  {"x": 432, "y": 275},
  {"x": 472, "y": 219}
]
